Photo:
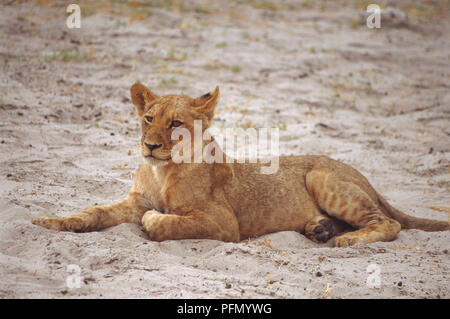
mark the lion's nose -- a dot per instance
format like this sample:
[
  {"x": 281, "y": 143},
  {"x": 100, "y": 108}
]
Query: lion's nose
[{"x": 152, "y": 147}]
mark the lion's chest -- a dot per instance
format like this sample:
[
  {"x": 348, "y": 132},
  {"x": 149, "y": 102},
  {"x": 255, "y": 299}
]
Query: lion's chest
[{"x": 175, "y": 195}]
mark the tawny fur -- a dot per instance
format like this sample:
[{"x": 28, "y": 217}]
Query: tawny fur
[{"x": 314, "y": 195}]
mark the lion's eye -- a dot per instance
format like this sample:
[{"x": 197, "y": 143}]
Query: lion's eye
[
  {"x": 175, "y": 123},
  {"x": 148, "y": 119}
]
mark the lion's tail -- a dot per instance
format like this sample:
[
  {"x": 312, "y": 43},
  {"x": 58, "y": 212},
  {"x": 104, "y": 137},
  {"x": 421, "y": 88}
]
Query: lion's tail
[{"x": 409, "y": 222}]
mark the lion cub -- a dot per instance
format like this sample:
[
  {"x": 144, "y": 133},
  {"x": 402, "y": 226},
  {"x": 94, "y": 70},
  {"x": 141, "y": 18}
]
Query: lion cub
[{"x": 314, "y": 195}]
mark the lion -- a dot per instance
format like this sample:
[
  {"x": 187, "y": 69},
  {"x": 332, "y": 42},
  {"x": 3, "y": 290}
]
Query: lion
[{"x": 314, "y": 195}]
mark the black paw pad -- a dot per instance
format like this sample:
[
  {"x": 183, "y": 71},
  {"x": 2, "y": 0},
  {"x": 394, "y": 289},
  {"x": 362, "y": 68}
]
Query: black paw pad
[
  {"x": 319, "y": 229},
  {"x": 324, "y": 232},
  {"x": 328, "y": 226},
  {"x": 322, "y": 237}
]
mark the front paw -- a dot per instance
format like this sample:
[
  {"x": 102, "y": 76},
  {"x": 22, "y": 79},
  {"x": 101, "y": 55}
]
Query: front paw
[
  {"x": 148, "y": 215},
  {"x": 151, "y": 221},
  {"x": 48, "y": 222},
  {"x": 72, "y": 224}
]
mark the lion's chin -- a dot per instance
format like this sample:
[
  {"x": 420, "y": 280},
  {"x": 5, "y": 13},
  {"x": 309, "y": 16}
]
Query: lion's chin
[{"x": 155, "y": 161}]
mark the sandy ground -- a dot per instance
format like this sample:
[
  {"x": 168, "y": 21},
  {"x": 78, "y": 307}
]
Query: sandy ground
[{"x": 378, "y": 100}]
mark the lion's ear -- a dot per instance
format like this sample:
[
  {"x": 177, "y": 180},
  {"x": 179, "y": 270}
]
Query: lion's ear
[
  {"x": 141, "y": 96},
  {"x": 207, "y": 103}
]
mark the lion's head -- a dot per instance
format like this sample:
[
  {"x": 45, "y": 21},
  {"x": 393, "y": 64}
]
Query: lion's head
[{"x": 161, "y": 115}]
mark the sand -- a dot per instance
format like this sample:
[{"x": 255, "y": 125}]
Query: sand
[{"x": 375, "y": 99}]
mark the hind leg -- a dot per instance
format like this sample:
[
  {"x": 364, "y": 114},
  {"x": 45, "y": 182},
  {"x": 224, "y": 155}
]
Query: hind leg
[
  {"x": 322, "y": 228},
  {"x": 347, "y": 201},
  {"x": 385, "y": 230}
]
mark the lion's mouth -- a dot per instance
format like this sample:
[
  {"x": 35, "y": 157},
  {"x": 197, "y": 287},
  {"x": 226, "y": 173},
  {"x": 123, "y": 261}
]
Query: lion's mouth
[
  {"x": 151, "y": 156},
  {"x": 155, "y": 161}
]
